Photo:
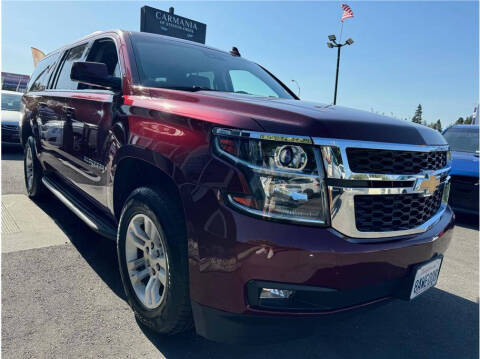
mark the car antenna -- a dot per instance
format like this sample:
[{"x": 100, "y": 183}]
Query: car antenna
[{"x": 234, "y": 52}]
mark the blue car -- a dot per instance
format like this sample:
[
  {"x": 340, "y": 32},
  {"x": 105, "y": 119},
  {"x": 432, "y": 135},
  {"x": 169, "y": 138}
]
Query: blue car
[{"x": 463, "y": 141}]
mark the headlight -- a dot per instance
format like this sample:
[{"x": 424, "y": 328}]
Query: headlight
[{"x": 284, "y": 175}]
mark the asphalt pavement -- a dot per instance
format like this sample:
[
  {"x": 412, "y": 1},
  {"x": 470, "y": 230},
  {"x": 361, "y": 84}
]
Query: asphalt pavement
[{"x": 62, "y": 298}]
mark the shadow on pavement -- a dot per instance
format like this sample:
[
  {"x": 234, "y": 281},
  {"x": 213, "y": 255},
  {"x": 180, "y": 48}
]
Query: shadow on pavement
[
  {"x": 438, "y": 324},
  {"x": 99, "y": 252}
]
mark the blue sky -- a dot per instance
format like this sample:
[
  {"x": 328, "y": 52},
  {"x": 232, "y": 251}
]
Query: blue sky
[{"x": 405, "y": 53}]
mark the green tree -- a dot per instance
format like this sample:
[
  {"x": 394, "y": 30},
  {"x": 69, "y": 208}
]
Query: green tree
[
  {"x": 439, "y": 125},
  {"x": 417, "y": 117},
  {"x": 468, "y": 120},
  {"x": 460, "y": 121}
]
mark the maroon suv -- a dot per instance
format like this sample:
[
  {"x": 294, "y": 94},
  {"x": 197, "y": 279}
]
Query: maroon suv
[{"x": 236, "y": 207}]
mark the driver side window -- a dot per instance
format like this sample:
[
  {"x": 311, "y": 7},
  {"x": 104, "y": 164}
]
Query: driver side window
[{"x": 104, "y": 51}]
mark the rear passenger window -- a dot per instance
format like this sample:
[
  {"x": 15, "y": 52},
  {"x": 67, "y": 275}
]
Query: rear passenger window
[
  {"x": 39, "y": 79},
  {"x": 64, "y": 82}
]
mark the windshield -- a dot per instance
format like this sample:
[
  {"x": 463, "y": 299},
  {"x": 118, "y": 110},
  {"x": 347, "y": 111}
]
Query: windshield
[
  {"x": 11, "y": 102},
  {"x": 462, "y": 139},
  {"x": 189, "y": 67}
]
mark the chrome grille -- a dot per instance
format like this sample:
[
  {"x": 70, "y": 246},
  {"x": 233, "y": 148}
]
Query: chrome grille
[
  {"x": 365, "y": 160},
  {"x": 364, "y": 204},
  {"x": 395, "y": 212}
]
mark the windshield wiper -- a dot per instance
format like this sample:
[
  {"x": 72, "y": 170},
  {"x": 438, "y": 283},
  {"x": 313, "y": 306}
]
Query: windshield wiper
[
  {"x": 191, "y": 89},
  {"x": 198, "y": 88}
]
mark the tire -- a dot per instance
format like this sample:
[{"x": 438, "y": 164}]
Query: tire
[
  {"x": 173, "y": 313},
  {"x": 33, "y": 171}
]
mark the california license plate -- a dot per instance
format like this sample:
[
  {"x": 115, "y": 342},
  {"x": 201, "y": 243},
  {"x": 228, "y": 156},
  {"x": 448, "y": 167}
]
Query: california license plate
[{"x": 426, "y": 277}]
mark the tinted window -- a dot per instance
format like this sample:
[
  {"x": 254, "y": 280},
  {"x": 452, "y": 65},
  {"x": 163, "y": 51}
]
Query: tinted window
[
  {"x": 39, "y": 79},
  {"x": 104, "y": 51},
  {"x": 171, "y": 64},
  {"x": 11, "y": 102},
  {"x": 462, "y": 139},
  {"x": 64, "y": 82},
  {"x": 246, "y": 82}
]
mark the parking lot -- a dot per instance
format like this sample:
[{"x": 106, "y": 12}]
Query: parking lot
[{"x": 62, "y": 297}]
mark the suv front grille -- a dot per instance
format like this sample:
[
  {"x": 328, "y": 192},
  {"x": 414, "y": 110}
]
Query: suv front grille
[
  {"x": 385, "y": 213},
  {"x": 362, "y": 160}
]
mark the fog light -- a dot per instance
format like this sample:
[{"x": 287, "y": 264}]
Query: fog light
[{"x": 275, "y": 293}]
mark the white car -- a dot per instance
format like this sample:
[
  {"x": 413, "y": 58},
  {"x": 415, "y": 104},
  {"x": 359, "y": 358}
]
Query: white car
[{"x": 11, "y": 116}]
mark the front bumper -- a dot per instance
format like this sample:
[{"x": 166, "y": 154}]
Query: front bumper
[{"x": 228, "y": 250}]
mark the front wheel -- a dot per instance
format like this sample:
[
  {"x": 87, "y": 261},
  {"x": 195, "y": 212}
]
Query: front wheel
[
  {"x": 152, "y": 254},
  {"x": 32, "y": 170}
]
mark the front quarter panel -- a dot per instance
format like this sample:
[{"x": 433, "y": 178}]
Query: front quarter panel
[{"x": 177, "y": 131}]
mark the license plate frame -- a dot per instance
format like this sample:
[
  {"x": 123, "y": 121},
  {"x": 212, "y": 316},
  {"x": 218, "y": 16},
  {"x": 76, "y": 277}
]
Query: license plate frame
[{"x": 424, "y": 271}]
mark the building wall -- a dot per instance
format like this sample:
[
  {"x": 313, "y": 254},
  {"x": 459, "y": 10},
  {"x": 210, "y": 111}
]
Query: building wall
[{"x": 14, "y": 82}]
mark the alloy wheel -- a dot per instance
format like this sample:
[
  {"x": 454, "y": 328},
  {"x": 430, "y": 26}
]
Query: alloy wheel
[
  {"x": 147, "y": 262},
  {"x": 29, "y": 167}
]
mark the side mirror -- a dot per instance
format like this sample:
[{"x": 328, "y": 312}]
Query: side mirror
[{"x": 95, "y": 74}]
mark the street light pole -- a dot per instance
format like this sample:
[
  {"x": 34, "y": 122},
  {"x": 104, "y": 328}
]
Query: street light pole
[
  {"x": 331, "y": 45},
  {"x": 296, "y": 83}
]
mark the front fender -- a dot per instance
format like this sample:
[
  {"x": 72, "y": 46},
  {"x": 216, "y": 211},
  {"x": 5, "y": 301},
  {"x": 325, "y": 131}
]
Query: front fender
[{"x": 146, "y": 155}]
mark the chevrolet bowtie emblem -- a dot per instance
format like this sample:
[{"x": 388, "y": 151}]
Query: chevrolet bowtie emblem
[{"x": 428, "y": 185}]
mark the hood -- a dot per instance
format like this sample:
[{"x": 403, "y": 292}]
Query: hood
[
  {"x": 11, "y": 117},
  {"x": 464, "y": 164},
  {"x": 294, "y": 117},
  {"x": 319, "y": 120}
]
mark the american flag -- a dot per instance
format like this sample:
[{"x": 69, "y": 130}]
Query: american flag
[{"x": 347, "y": 12}]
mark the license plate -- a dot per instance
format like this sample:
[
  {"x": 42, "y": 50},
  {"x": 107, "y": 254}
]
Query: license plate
[{"x": 425, "y": 277}]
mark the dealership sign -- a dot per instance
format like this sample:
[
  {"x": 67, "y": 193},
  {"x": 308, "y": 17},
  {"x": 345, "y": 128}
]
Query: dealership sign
[{"x": 166, "y": 23}]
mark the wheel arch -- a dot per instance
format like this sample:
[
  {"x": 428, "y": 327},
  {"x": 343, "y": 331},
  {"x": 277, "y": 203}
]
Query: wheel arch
[
  {"x": 140, "y": 167},
  {"x": 26, "y": 130}
]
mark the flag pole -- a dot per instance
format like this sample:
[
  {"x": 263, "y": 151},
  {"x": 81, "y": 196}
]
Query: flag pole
[{"x": 341, "y": 31}]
